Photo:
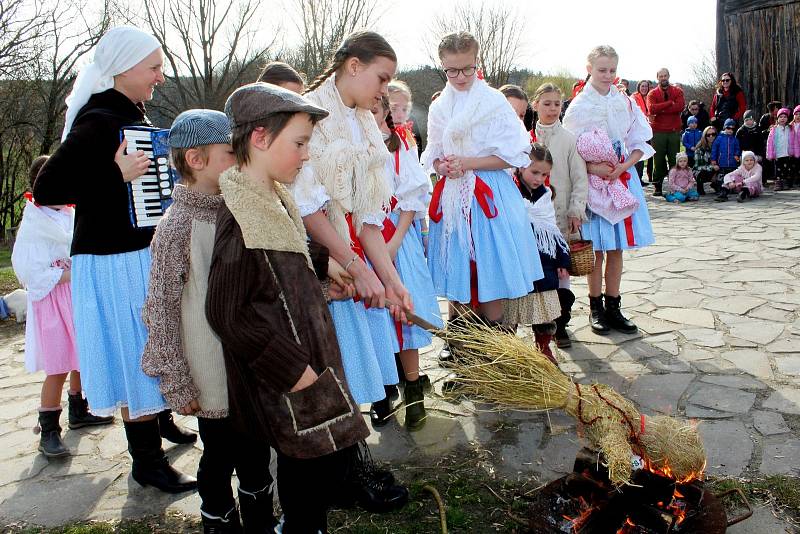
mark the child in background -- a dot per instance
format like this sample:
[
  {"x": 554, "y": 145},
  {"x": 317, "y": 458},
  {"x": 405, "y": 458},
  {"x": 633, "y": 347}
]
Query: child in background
[
  {"x": 182, "y": 350},
  {"x": 750, "y": 137},
  {"x": 568, "y": 177},
  {"x": 691, "y": 136},
  {"x": 704, "y": 170},
  {"x": 283, "y": 75},
  {"x": 795, "y": 126},
  {"x": 401, "y": 103},
  {"x": 544, "y": 304},
  {"x": 481, "y": 244},
  {"x": 409, "y": 184},
  {"x": 725, "y": 152},
  {"x": 746, "y": 180},
  {"x": 781, "y": 146},
  {"x": 42, "y": 264},
  {"x": 266, "y": 304},
  {"x": 681, "y": 184}
]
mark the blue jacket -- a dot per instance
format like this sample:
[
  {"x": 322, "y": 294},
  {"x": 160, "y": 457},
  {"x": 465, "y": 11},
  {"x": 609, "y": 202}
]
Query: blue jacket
[
  {"x": 690, "y": 138},
  {"x": 725, "y": 150}
]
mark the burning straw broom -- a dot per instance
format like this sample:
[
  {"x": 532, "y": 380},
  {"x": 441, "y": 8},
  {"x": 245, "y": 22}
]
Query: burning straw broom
[{"x": 508, "y": 371}]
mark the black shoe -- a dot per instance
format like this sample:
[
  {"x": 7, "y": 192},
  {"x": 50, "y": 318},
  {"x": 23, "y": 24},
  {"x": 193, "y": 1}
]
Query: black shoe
[
  {"x": 172, "y": 432},
  {"x": 722, "y": 196},
  {"x": 150, "y": 464},
  {"x": 614, "y": 317},
  {"x": 79, "y": 415},
  {"x": 380, "y": 412},
  {"x": 741, "y": 196},
  {"x": 227, "y": 524},
  {"x": 257, "y": 512},
  {"x": 368, "y": 486},
  {"x": 50, "y": 443},
  {"x": 414, "y": 401},
  {"x": 597, "y": 317},
  {"x": 392, "y": 393}
]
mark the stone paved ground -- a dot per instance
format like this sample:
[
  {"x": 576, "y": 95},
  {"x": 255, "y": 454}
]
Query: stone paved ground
[{"x": 717, "y": 303}]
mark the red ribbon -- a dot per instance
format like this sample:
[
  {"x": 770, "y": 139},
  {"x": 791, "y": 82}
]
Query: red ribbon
[
  {"x": 625, "y": 178},
  {"x": 28, "y": 196},
  {"x": 483, "y": 194},
  {"x": 355, "y": 243},
  {"x": 388, "y": 226}
]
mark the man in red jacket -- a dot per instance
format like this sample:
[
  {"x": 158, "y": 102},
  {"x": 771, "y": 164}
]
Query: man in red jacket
[{"x": 664, "y": 103}]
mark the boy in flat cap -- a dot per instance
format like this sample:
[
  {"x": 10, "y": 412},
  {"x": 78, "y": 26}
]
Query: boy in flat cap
[
  {"x": 182, "y": 350},
  {"x": 266, "y": 303}
]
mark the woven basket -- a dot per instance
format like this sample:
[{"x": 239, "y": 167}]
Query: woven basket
[{"x": 581, "y": 257}]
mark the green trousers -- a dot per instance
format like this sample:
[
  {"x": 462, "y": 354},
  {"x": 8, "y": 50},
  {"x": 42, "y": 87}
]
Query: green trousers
[{"x": 666, "y": 145}]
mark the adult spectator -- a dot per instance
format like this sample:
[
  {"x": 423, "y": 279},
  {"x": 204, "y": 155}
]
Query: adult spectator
[
  {"x": 640, "y": 99},
  {"x": 728, "y": 102},
  {"x": 664, "y": 104},
  {"x": 627, "y": 85},
  {"x": 696, "y": 109}
]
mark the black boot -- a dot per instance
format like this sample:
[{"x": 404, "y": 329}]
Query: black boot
[
  {"x": 723, "y": 195},
  {"x": 50, "y": 438},
  {"x": 172, "y": 432},
  {"x": 79, "y": 415},
  {"x": 701, "y": 188},
  {"x": 150, "y": 464},
  {"x": 227, "y": 524},
  {"x": 614, "y": 317},
  {"x": 566, "y": 299},
  {"x": 258, "y": 516},
  {"x": 368, "y": 486},
  {"x": 380, "y": 413},
  {"x": 414, "y": 401},
  {"x": 744, "y": 194},
  {"x": 597, "y": 317}
]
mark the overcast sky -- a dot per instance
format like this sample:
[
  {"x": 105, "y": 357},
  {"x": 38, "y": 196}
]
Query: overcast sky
[{"x": 559, "y": 33}]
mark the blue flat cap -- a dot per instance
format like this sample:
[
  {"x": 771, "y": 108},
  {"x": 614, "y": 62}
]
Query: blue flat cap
[{"x": 199, "y": 127}]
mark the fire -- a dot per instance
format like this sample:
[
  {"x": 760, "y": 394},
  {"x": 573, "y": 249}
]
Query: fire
[
  {"x": 627, "y": 527},
  {"x": 666, "y": 471},
  {"x": 577, "y": 522},
  {"x": 678, "y": 507}
]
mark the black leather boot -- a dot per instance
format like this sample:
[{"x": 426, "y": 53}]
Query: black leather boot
[
  {"x": 372, "y": 489},
  {"x": 414, "y": 401},
  {"x": 227, "y": 524},
  {"x": 614, "y": 317},
  {"x": 566, "y": 299},
  {"x": 79, "y": 415},
  {"x": 381, "y": 412},
  {"x": 722, "y": 196},
  {"x": 150, "y": 464},
  {"x": 50, "y": 443},
  {"x": 597, "y": 316},
  {"x": 172, "y": 432},
  {"x": 258, "y": 516}
]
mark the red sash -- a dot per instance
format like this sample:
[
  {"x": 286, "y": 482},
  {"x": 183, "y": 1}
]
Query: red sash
[
  {"x": 485, "y": 197},
  {"x": 625, "y": 178},
  {"x": 388, "y": 226}
]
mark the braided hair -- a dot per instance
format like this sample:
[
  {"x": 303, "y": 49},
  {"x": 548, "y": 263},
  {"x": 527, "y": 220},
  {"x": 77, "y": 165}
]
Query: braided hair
[
  {"x": 393, "y": 142},
  {"x": 364, "y": 45}
]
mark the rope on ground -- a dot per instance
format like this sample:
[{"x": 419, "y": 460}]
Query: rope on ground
[{"x": 440, "y": 503}]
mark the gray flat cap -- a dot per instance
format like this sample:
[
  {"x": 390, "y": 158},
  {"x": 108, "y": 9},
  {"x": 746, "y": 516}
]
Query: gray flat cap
[{"x": 257, "y": 101}]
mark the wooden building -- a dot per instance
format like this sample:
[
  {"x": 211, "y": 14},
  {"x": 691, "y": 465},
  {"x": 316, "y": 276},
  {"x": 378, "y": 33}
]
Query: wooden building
[{"x": 759, "y": 42}]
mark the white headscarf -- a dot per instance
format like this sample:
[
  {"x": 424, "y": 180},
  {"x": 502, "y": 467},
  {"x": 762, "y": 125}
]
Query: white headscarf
[{"x": 120, "y": 49}]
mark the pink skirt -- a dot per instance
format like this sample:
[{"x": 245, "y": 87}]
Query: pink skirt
[{"x": 55, "y": 332}]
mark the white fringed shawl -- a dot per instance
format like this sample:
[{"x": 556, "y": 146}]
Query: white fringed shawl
[
  {"x": 451, "y": 132},
  {"x": 352, "y": 173},
  {"x": 542, "y": 215}
]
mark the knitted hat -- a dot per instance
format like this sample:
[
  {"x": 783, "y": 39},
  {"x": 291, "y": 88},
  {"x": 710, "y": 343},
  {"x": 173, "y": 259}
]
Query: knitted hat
[
  {"x": 797, "y": 109},
  {"x": 730, "y": 123},
  {"x": 785, "y": 111},
  {"x": 749, "y": 114},
  {"x": 748, "y": 154},
  {"x": 199, "y": 127},
  {"x": 681, "y": 155},
  {"x": 691, "y": 120}
]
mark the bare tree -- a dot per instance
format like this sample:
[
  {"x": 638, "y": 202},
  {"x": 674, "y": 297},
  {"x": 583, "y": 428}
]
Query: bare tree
[
  {"x": 322, "y": 25},
  {"x": 704, "y": 77},
  {"x": 210, "y": 48},
  {"x": 21, "y": 25},
  {"x": 498, "y": 29}
]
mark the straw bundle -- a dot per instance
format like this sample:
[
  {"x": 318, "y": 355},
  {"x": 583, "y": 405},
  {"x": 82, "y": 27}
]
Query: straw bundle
[{"x": 506, "y": 370}]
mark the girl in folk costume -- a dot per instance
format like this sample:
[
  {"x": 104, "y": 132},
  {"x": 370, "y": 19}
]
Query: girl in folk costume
[
  {"x": 746, "y": 180},
  {"x": 42, "y": 264},
  {"x": 341, "y": 194},
  {"x": 481, "y": 247},
  {"x": 601, "y": 106},
  {"x": 408, "y": 181},
  {"x": 543, "y": 305},
  {"x": 111, "y": 257},
  {"x": 568, "y": 178},
  {"x": 283, "y": 75}
]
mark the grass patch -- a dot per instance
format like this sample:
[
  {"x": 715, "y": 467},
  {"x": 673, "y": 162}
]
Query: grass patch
[
  {"x": 8, "y": 281},
  {"x": 5, "y": 257},
  {"x": 780, "y": 491},
  {"x": 169, "y": 523}
]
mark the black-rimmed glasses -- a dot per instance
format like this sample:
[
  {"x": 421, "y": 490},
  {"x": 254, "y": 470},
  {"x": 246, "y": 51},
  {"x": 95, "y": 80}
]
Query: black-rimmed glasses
[{"x": 466, "y": 71}]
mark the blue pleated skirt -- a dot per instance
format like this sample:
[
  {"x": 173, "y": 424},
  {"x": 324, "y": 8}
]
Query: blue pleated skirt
[
  {"x": 607, "y": 236},
  {"x": 505, "y": 249},
  {"x": 413, "y": 270},
  {"x": 108, "y": 292},
  {"x": 365, "y": 368}
]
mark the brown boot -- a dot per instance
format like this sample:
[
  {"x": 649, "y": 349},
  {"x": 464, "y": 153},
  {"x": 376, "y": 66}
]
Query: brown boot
[{"x": 543, "y": 344}]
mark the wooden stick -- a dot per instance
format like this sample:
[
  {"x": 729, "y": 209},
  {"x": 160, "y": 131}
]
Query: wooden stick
[{"x": 417, "y": 320}]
